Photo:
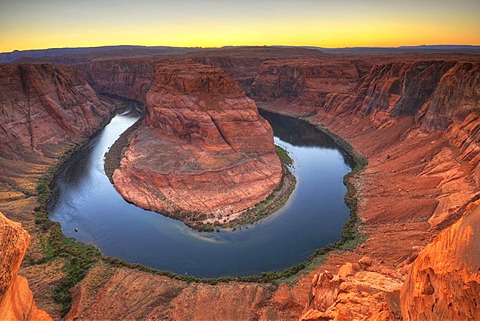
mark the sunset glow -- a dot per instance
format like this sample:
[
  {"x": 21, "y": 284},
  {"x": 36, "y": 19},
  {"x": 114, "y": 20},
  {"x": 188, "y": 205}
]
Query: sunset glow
[{"x": 52, "y": 23}]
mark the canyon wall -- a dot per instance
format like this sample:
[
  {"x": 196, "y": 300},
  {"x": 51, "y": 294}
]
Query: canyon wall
[
  {"x": 444, "y": 282},
  {"x": 16, "y": 298},
  {"x": 129, "y": 78},
  {"x": 44, "y": 105},
  {"x": 45, "y": 110},
  {"x": 385, "y": 112},
  {"x": 437, "y": 92},
  {"x": 203, "y": 148}
]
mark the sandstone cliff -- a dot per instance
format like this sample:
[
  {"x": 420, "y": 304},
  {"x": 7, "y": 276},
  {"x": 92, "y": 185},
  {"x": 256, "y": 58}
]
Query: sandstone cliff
[
  {"x": 42, "y": 106},
  {"x": 444, "y": 282},
  {"x": 16, "y": 299},
  {"x": 45, "y": 110},
  {"x": 203, "y": 149},
  {"x": 393, "y": 114},
  {"x": 129, "y": 78},
  {"x": 436, "y": 91}
]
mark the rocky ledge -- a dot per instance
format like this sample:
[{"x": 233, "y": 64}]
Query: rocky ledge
[{"x": 203, "y": 154}]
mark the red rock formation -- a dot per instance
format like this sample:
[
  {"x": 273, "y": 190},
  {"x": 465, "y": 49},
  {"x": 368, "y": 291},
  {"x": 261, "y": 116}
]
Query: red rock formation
[
  {"x": 45, "y": 110},
  {"x": 438, "y": 94},
  {"x": 358, "y": 292},
  {"x": 130, "y": 78},
  {"x": 242, "y": 69},
  {"x": 203, "y": 149},
  {"x": 43, "y": 106},
  {"x": 444, "y": 282},
  {"x": 16, "y": 299},
  {"x": 436, "y": 91}
]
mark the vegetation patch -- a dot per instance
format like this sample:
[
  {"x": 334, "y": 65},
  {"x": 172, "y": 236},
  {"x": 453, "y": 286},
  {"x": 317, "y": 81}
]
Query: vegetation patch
[
  {"x": 284, "y": 156},
  {"x": 78, "y": 258}
]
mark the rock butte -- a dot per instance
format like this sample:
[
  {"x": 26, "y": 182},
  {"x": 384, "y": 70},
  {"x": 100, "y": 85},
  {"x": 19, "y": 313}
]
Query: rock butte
[
  {"x": 203, "y": 153},
  {"x": 415, "y": 117}
]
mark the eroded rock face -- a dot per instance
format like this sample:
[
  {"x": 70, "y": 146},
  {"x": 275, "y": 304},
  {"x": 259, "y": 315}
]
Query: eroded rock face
[
  {"x": 129, "y": 78},
  {"x": 307, "y": 85},
  {"x": 44, "y": 105},
  {"x": 436, "y": 92},
  {"x": 16, "y": 299},
  {"x": 444, "y": 282},
  {"x": 359, "y": 291},
  {"x": 203, "y": 148},
  {"x": 45, "y": 110}
]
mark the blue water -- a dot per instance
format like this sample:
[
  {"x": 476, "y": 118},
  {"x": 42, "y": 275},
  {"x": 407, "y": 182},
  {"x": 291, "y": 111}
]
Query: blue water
[{"x": 313, "y": 216}]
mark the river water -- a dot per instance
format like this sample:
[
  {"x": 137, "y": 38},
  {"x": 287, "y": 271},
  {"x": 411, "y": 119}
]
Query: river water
[{"x": 84, "y": 199}]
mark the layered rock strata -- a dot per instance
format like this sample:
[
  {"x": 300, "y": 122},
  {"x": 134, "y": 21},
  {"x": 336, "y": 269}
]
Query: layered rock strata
[
  {"x": 45, "y": 110},
  {"x": 203, "y": 150},
  {"x": 128, "y": 78}
]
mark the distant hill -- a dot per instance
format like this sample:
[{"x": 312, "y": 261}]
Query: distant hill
[
  {"x": 403, "y": 49},
  {"x": 74, "y": 55},
  {"x": 79, "y": 55}
]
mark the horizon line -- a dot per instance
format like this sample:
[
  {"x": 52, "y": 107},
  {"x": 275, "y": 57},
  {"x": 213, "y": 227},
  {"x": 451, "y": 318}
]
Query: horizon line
[{"x": 252, "y": 46}]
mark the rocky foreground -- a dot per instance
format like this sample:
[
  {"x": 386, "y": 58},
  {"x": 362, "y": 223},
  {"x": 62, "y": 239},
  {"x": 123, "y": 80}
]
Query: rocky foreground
[
  {"x": 203, "y": 153},
  {"x": 416, "y": 119}
]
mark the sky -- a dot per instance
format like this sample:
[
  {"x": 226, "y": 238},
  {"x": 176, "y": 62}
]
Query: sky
[{"x": 39, "y": 24}]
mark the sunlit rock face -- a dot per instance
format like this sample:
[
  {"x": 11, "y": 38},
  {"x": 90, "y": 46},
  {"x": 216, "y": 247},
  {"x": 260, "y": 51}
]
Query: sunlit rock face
[
  {"x": 16, "y": 298},
  {"x": 203, "y": 151}
]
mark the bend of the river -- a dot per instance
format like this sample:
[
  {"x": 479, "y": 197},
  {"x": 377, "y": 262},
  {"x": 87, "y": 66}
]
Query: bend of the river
[{"x": 84, "y": 199}]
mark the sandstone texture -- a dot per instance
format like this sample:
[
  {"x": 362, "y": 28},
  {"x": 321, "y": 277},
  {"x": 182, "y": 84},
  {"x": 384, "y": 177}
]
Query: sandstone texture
[
  {"x": 444, "y": 282},
  {"x": 204, "y": 152},
  {"x": 16, "y": 298},
  {"x": 127, "y": 78},
  {"x": 45, "y": 111},
  {"x": 42, "y": 106}
]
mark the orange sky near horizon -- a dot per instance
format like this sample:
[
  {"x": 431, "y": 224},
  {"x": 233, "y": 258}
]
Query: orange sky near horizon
[{"x": 31, "y": 24}]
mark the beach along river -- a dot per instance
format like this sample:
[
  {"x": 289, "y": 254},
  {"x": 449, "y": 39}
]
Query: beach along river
[{"x": 84, "y": 199}]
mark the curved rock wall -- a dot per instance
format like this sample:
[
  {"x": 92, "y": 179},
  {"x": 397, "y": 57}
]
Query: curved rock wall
[{"x": 437, "y": 92}]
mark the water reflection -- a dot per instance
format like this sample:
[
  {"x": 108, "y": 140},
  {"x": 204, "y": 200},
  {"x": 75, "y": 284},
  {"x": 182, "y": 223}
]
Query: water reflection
[
  {"x": 313, "y": 216},
  {"x": 300, "y": 133}
]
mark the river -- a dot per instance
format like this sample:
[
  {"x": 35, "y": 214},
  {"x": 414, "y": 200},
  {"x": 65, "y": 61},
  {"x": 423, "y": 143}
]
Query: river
[{"x": 90, "y": 209}]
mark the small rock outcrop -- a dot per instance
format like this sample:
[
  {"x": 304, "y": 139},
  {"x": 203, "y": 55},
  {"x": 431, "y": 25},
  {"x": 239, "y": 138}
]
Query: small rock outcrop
[
  {"x": 203, "y": 153},
  {"x": 16, "y": 298},
  {"x": 359, "y": 291}
]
